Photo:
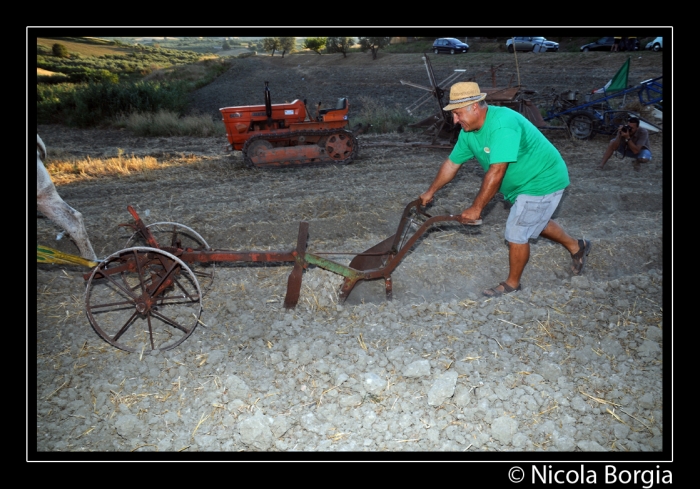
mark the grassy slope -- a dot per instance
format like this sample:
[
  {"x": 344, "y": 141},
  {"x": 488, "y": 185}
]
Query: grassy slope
[{"x": 88, "y": 47}]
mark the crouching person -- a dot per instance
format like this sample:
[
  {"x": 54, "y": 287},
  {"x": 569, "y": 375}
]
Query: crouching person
[{"x": 631, "y": 141}]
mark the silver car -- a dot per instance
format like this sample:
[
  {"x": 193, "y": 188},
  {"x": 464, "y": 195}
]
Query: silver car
[
  {"x": 656, "y": 45},
  {"x": 529, "y": 43}
]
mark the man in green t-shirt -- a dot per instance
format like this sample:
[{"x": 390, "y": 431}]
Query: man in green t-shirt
[{"x": 522, "y": 164}]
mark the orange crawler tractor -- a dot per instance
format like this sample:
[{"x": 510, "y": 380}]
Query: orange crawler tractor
[{"x": 286, "y": 135}]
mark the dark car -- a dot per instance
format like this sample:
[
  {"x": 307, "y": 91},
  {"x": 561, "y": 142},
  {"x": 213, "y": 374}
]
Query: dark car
[
  {"x": 606, "y": 43},
  {"x": 531, "y": 43},
  {"x": 449, "y": 45}
]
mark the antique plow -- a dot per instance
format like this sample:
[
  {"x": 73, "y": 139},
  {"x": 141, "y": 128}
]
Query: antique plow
[{"x": 149, "y": 297}]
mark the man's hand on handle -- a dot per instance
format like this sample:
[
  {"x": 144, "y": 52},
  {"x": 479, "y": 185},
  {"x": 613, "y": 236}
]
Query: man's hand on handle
[{"x": 470, "y": 216}]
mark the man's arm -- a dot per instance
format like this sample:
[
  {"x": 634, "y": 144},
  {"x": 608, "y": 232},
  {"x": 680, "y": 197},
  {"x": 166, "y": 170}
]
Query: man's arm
[
  {"x": 630, "y": 141},
  {"x": 641, "y": 140},
  {"x": 445, "y": 174},
  {"x": 489, "y": 187}
]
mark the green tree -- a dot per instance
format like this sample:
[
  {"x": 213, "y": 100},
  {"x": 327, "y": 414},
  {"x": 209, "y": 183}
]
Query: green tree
[
  {"x": 60, "y": 51},
  {"x": 103, "y": 76},
  {"x": 374, "y": 44},
  {"x": 339, "y": 45},
  {"x": 226, "y": 46},
  {"x": 271, "y": 44},
  {"x": 315, "y": 43},
  {"x": 287, "y": 44}
]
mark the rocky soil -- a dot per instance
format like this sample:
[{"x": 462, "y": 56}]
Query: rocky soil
[{"x": 569, "y": 364}]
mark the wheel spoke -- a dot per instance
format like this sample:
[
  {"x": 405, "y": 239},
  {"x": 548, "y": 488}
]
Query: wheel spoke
[
  {"x": 158, "y": 287},
  {"x": 125, "y": 288},
  {"x": 171, "y": 322},
  {"x": 125, "y": 328},
  {"x": 187, "y": 294},
  {"x": 150, "y": 332},
  {"x": 127, "y": 303}
]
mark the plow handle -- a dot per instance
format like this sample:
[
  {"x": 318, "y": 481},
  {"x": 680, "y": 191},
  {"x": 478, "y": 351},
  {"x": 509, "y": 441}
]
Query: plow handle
[{"x": 454, "y": 217}]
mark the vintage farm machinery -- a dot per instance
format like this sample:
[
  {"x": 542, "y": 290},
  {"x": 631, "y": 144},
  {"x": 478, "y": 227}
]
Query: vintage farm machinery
[
  {"x": 597, "y": 115},
  {"x": 582, "y": 120},
  {"x": 287, "y": 135},
  {"x": 441, "y": 125},
  {"x": 148, "y": 296}
]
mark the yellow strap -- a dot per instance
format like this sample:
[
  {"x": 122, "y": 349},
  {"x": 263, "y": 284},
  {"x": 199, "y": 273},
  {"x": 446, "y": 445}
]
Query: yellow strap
[{"x": 44, "y": 254}]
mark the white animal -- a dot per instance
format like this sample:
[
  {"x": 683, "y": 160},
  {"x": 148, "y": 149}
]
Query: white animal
[{"x": 49, "y": 203}]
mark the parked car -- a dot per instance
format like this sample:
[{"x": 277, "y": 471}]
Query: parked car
[
  {"x": 529, "y": 43},
  {"x": 656, "y": 45},
  {"x": 449, "y": 45},
  {"x": 606, "y": 43}
]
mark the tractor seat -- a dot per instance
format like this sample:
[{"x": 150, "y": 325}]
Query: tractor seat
[{"x": 340, "y": 105}]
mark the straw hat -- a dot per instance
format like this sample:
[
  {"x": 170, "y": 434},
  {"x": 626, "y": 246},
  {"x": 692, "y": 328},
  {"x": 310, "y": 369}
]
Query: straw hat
[{"x": 463, "y": 94}]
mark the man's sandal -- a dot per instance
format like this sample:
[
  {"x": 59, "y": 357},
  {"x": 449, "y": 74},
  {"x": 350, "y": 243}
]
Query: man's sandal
[
  {"x": 578, "y": 259},
  {"x": 507, "y": 289}
]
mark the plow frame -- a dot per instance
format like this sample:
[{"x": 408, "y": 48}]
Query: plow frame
[
  {"x": 164, "y": 274},
  {"x": 375, "y": 263}
]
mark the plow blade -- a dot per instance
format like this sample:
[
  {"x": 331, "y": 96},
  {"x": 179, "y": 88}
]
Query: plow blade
[{"x": 375, "y": 257}]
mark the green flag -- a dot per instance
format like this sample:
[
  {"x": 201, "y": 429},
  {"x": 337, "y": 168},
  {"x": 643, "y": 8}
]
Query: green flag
[{"x": 619, "y": 81}]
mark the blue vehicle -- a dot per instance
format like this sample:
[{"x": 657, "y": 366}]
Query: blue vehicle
[{"x": 597, "y": 116}]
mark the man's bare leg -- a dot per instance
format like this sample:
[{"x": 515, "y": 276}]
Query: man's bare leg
[
  {"x": 554, "y": 232},
  {"x": 609, "y": 152},
  {"x": 518, "y": 256}
]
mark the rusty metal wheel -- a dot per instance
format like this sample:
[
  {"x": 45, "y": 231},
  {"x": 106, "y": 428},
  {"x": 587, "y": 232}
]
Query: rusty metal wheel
[
  {"x": 172, "y": 236},
  {"x": 339, "y": 146},
  {"x": 143, "y": 299}
]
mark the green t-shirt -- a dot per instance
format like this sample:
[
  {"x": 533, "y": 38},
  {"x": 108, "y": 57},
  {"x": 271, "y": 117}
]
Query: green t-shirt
[{"x": 535, "y": 166}]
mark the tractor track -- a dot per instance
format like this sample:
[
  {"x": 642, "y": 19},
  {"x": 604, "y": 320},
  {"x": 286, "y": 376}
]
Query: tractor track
[{"x": 330, "y": 139}]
